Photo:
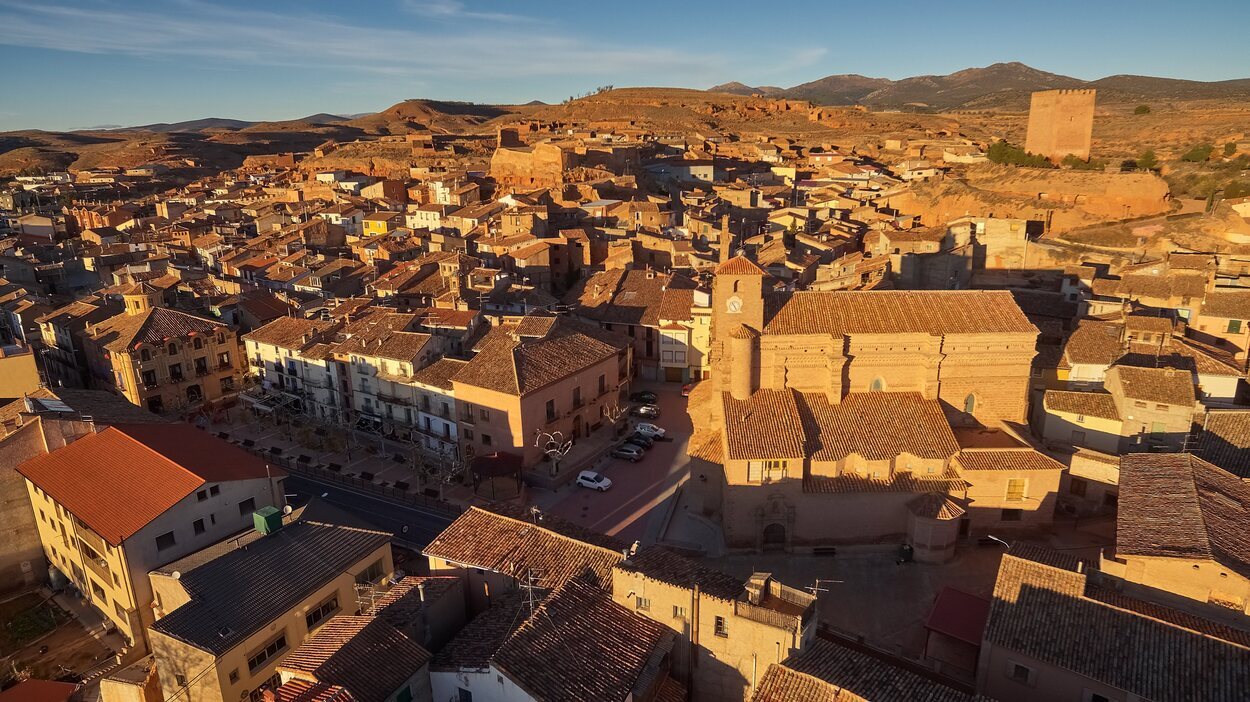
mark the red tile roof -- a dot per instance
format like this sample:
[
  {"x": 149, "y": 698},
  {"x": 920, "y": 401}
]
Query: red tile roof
[
  {"x": 960, "y": 615},
  {"x": 739, "y": 265},
  {"x": 119, "y": 480},
  {"x": 34, "y": 690}
]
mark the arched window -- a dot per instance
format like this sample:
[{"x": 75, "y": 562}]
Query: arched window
[
  {"x": 878, "y": 384},
  {"x": 145, "y": 355},
  {"x": 199, "y": 343},
  {"x": 173, "y": 349},
  {"x": 736, "y": 284},
  {"x": 970, "y": 404}
]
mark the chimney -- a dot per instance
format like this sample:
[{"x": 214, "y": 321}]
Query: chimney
[
  {"x": 726, "y": 239},
  {"x": 421, "y": 590}
]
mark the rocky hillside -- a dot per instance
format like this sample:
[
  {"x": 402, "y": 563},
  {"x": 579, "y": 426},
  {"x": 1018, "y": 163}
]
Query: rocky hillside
[{"x": 999, "y": 86}]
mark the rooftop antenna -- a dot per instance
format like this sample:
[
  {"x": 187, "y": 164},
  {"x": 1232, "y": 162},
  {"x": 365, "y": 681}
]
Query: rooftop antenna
[
  {"x": 529, "y": 587},
  {"x": 816, "y": 588}
]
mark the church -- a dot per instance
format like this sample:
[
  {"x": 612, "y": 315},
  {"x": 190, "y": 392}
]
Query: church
[{"x": 870, "y": 416}]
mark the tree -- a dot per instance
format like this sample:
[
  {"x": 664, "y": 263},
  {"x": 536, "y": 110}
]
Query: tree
[
  {"x": 1148, "y": 160},
  {"x": 1198, "y": 154},
  {"x": 1236, "y": 189},
  {"x": 1142, "y": 110},
  {"x": 1230, "y": 148},
  {"x": 1002, "y": 152}
]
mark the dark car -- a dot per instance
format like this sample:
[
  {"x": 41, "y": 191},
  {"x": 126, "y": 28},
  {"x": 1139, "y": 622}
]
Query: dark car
[
  {"x": 644, "y": 396},
  {"x": 640, "y": 440}
]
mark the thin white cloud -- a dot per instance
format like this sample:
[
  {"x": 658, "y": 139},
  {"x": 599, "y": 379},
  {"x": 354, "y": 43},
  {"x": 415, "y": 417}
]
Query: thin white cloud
[
  {"x": 454, "y": 10},
  {"x": 213, "y": 34}
]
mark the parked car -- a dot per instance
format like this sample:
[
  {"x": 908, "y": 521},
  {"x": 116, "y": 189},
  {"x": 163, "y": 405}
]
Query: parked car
[
  {"x": 685, "y": 389},
  {"x": 643, "y": 396},
  {"x": 593, "y": 480},
  {"x": 648, "y": 411},
  {"x": 629, "y": 452},
  {"x": 650, "y": 430},
  {"x": 640, "y": 440}
]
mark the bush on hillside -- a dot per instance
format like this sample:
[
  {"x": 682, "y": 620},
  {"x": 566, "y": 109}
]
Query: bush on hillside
[{"x": 1005, "y": 153}]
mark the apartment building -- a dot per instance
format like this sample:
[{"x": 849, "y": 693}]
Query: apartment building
[
  {"x": 113, "y": 505},
  {"x": 160, "y": 358},
  {"x": 230, "y": 614},
  {"x": 62, "y": 330},
  {"x": 539, "y": 374}
]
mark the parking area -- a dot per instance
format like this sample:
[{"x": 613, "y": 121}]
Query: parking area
[{"x": 626, "y": 510}]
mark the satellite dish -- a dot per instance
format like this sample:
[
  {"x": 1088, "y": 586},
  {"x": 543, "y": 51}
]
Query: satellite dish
[
  {"x": 176, "y": 575},
  {"x": 287, "y": 509}
]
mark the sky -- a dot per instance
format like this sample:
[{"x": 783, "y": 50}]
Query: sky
[{"x": 87, "y": 63}]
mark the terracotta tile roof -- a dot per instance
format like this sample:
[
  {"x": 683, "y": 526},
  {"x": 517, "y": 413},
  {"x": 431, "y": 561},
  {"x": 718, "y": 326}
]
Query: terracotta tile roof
[
  {"x": 781, "y": 684},
  {"x": 439, "y": 373},
  {"x": 120, "y": 479},
  {"x": 1225, "y": 440},
  {"x": 1176, "y": 505},
  {"x": 710, "y": 448},
  {"x": 1090, "y": 404},
  {"x": 1047, "y": 613},
  {"x": 866, "y": 677},
  {"x": 510, "y": 543},
  {"x": 676, "y": 304},
  {"x": 739, "y": 265},
  {"x": 1012, "y": 460},
  {"x": 1162, "y": 385},
  {"x": 877, "y": 426},
  {"x": 36, "y": 690},
  {"x": 295, "y": 333},
  {"x": 1227, "y": 304},
  {"x": 765, "y": 425},
  {"x": 367, "y": 656},
  {"x": 1094, "y": 342},
  {"x": 896, "y": 311},
  {"x": 154, "y": 326},
  {"x": 936, "y": 505},
  {"x": 604, "y": 649},
  {"x": 660, "y": 564},
  {"x": 478, "y": 641},
  {"x": 521, "y": 366},
  {"x": 625, "y": 297},
  {"x": 303, "y": 691}
]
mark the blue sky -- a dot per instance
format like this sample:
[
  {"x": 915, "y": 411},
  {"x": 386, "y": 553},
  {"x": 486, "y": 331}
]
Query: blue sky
[{"x": 75, "y": 64}]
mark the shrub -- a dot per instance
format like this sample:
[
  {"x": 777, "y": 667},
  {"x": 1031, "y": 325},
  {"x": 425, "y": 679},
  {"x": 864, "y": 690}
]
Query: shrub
[
  {"x": 1148, "y": 160},
  {"x": 1236, "y": 189},
  {"x": 1071, "y": 161},
  {"x": 1198, "y": 154},
  {"x": 1230, "y": 148},
  {"x": 1142, "y": 110},
  {"x": 1002, "y": 152}
]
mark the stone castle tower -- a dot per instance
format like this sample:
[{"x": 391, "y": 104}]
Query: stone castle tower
[{"x": 1061, "y": 122}]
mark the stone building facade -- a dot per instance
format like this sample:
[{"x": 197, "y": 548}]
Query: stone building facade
[{"x": 870, "y": 417}]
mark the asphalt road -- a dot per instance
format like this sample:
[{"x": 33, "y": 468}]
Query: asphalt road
[
  {"x": 638, "y": 489},
  {"x": 411, "y": 526}
]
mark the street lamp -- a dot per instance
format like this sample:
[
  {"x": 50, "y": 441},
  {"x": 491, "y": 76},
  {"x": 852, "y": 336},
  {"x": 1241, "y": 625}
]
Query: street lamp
[
  {"x": 554, "y": 446},
  {"x": 995, "y": 538}
]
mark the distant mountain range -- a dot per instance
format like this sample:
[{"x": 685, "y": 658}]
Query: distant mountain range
[
  {"x": 208, "y": 123},
  {"x": 999, "y": 86}
]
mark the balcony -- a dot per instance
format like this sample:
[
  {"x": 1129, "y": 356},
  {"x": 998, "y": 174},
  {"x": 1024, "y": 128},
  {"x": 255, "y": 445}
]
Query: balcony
[
  {"x": 201, "y": 372},
  {"x": 99, "y": 567},
  {"x": 255, "y": 363}
]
